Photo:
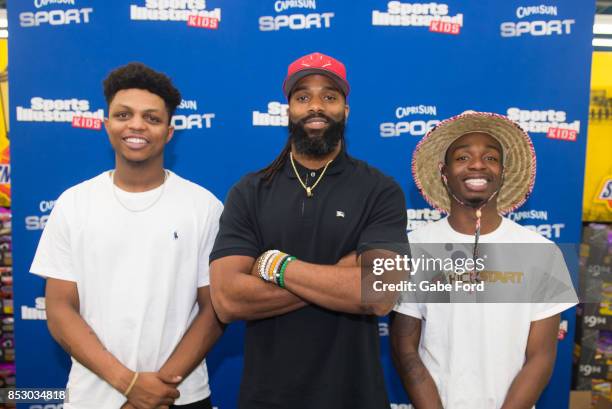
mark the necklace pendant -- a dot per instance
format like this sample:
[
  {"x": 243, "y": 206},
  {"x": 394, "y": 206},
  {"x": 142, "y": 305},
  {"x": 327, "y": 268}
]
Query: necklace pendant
[{"x": 308, "y": 191}]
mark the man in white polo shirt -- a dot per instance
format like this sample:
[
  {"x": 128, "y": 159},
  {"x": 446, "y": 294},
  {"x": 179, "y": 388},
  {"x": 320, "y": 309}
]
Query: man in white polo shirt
[
  {"x": 469, "y": 355},
  {"x": 125, "y": 255}
]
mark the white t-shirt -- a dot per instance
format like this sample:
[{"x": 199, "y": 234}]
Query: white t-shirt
[
  {"x": 474, "y": 351},
  {"x": 137, "y": 274}
]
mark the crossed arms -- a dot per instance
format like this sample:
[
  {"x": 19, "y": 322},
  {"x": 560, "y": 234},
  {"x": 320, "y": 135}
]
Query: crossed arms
[{"x": 238, "y": 293}]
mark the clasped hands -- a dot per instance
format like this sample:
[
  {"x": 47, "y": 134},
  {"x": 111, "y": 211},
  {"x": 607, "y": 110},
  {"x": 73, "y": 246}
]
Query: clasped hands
[{"x": 153, "y": 390}]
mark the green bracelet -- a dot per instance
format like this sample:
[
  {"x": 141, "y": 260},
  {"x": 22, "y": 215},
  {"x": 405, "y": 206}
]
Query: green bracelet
[
  {"x": 281, "y": 277},
  {"x": 278, "y": 269}
]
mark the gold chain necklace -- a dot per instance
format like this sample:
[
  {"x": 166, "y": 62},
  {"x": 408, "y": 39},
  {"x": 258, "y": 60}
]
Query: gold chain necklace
[{"x": 308, "y": 188}]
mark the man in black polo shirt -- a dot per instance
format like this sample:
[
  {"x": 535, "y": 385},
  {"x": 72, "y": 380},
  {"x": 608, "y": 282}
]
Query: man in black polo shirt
[{"x": 287, "y": 256}]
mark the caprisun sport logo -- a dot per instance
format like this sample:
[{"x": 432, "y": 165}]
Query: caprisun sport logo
[
  {"x": 420, "y": 217},
  {"x": 38, "y": 221},
  {"x": 295, "y": 15},
  {"x": 538, "y": 221},
  {"x": 537, "y": 21},
  {"x": 528, "y": 215},
  {"x": 276, "y": 115},
  {"x": 436, "y": 16},
  {"x": 193, "y": 12},
  {"x": 186, "y": 118},
  {"x": 604, "y": 192},
  {"x": 61, "y": 16},
  {"x": 74, "y": 110},
  {"x": 414, "y": 120},
  {"x": 551, "y": 122}
]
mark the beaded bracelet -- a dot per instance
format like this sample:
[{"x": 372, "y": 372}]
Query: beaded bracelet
[
  {"x": 264, "y": 260},
  {"x": 270, "y": 264},
  {"x": 273, "y": 265},
  {"x": 281, "y": 276},
  {"x": 279, "y": 268}
]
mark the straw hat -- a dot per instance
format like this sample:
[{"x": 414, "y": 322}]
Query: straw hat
[{"x": 519, "y": 158}]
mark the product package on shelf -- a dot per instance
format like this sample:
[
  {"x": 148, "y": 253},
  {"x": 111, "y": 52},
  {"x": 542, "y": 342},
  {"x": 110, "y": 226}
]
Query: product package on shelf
[
  {"x": 7, "y": 338},
  {"x": 593, "y": 353},
  {"x": 6, "y": 243}
]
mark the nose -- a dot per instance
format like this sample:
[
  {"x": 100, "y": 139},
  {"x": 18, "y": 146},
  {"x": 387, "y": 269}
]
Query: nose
[
  {"x": 315, "y": 105},
  {"x": 476, "y": 163},
  {"x": 136, "y": 123}
]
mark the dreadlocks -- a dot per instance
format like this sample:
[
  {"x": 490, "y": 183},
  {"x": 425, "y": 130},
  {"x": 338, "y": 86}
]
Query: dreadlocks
[{"x": 277, "y": 164}]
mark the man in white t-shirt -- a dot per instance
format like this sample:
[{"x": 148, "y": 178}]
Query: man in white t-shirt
[
  {"x": 467, "y": 355},
  {"x": 125, "y": 256}
]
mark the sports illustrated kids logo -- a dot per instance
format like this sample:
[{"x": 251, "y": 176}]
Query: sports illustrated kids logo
[
  {"x": 274, "y": 115},
  {"x": 76, "y": 111},
  {"x": 553, "y": 123},
  {"x": 195, "y": 13},
  {"x": 436, "y": 16}
]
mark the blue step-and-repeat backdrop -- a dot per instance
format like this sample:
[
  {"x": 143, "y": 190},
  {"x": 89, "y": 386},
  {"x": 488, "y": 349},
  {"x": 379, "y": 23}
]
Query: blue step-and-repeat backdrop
[{"x": 410, "y": 65}]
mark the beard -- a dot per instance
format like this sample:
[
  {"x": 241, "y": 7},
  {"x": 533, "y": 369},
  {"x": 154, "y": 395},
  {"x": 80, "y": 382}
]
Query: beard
[{"x": 316, "y": 145}]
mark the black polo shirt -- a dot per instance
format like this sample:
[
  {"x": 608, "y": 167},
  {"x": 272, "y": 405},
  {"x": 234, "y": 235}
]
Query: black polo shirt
[{"x": 312, "y": 358}]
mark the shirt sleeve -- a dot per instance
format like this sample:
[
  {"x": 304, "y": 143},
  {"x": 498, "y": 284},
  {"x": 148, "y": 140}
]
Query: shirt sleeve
[
  {"x": 53, "y": 258},
  {"x": 237, "y": 234},
  {"x": 408, "y": 308},
  {"x": 211, "y": 229},
  {"x": 387, "y": 223},
  {"x": 560, "y": 293}
]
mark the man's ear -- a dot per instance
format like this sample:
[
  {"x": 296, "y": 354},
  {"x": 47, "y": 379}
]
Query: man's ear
[
  {"x": 442, "y": 169},
  {"x": 170, "y": 133}
]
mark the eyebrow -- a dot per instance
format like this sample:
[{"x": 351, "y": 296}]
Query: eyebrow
[{"x": 146, "y": 110}]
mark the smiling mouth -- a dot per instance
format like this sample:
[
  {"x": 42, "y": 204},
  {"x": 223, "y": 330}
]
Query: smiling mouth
[
  {"x": 316, "y": 123},
  {"x": 476, "y": 184},
  {"x": 135, "y": 142}
]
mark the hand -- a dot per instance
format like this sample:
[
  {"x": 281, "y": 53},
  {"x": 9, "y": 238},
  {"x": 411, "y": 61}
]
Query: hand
[
  {"x": 350, "y": 260},
  {"x": 128, "y": 405},
  {"x": 153, "y": 389}
]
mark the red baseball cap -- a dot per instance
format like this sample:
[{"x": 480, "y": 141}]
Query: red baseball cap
[{"x": 316, "y": 63}]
